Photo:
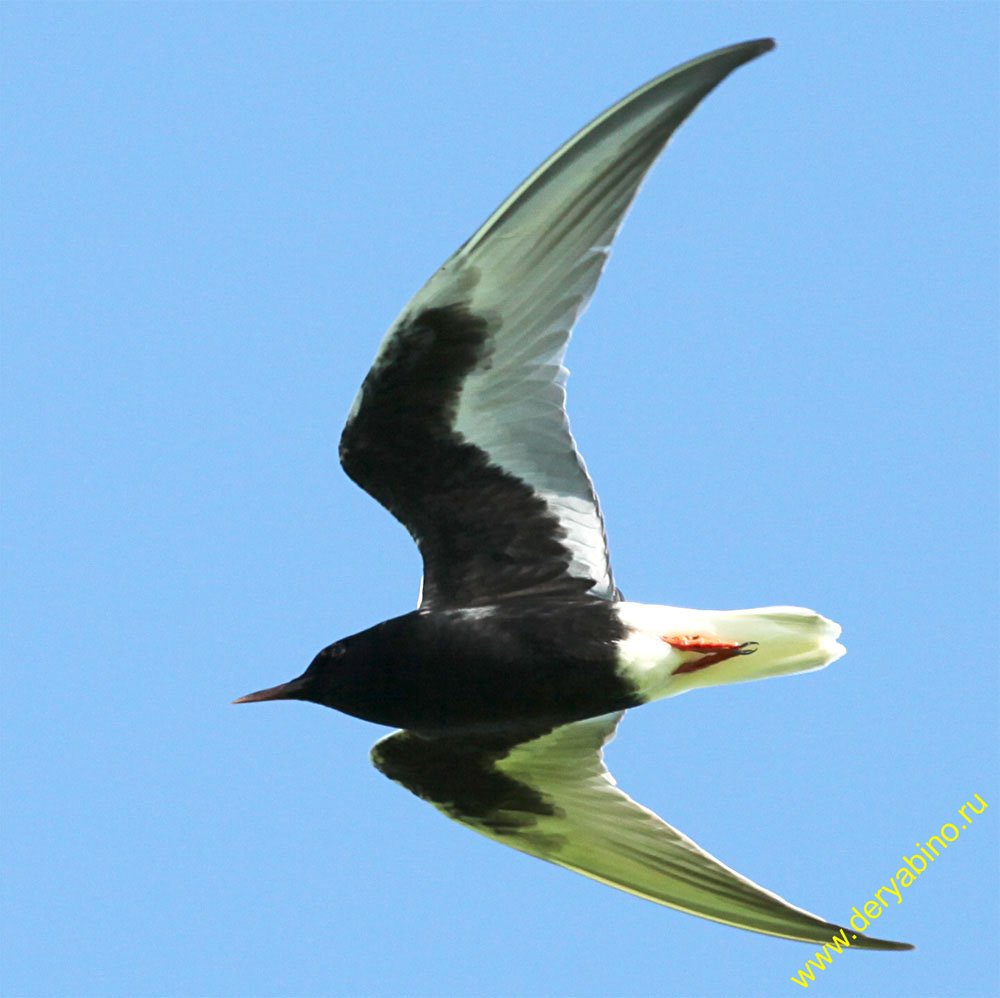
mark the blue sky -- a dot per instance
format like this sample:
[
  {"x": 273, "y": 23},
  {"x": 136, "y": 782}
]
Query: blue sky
[{"x": 784, "y": 389}]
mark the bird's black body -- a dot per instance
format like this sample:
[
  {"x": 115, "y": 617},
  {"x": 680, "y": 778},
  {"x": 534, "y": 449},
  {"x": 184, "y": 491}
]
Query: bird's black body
[{"x": 535, "y": 662}]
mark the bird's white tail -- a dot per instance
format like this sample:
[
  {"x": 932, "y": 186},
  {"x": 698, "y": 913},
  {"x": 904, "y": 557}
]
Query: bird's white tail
[{"x": 669, "y": 650}]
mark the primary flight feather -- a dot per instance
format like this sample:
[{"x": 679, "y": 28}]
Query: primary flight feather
[{"x": 516, "y": 667}]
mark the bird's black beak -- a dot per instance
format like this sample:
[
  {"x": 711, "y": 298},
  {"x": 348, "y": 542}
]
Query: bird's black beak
[{"x": 286, "y": 691}]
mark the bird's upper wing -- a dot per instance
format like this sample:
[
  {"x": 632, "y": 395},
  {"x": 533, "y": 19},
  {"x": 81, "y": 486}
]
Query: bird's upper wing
[
  {"x": 460, "y": 428},
  {"x": 551, "y": 795}
]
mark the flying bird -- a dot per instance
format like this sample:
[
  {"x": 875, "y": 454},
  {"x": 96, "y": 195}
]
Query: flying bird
[{"x": 514, "y": 671}]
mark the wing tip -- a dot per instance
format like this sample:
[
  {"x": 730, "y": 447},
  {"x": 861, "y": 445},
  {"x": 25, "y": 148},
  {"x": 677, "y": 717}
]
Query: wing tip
[
  {"x": 747, "y": 50},
  {"x": 869, "y": 942},
  {"x": 737, "y": 55}
]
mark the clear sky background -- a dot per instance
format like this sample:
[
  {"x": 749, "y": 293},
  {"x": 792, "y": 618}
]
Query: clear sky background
[{"x": 784, "y": 390}]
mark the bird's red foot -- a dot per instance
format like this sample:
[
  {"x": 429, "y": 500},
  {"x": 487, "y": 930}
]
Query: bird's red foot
[
  {"x": 710, "y": 651},
  {"x": 695, "y": 642}
]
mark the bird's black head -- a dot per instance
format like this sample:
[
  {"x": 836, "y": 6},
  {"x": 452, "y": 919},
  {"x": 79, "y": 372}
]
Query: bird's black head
[{"x": 320, "y": 683}]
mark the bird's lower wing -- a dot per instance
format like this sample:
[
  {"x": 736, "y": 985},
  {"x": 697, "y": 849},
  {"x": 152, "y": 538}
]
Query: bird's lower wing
[{"x": 549, "y": 794}]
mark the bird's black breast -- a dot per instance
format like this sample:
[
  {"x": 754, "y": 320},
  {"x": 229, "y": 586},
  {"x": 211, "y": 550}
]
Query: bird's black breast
[{"x": 521, "y": 662}]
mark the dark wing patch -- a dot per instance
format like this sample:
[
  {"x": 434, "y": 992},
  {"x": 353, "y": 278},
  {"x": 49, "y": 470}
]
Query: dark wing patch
[
  {"x": 459, "y": 776},
  {"x": 483, "y": 533}
]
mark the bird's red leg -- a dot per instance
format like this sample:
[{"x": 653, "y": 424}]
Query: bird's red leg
[{"x": 710, "y": 651}]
